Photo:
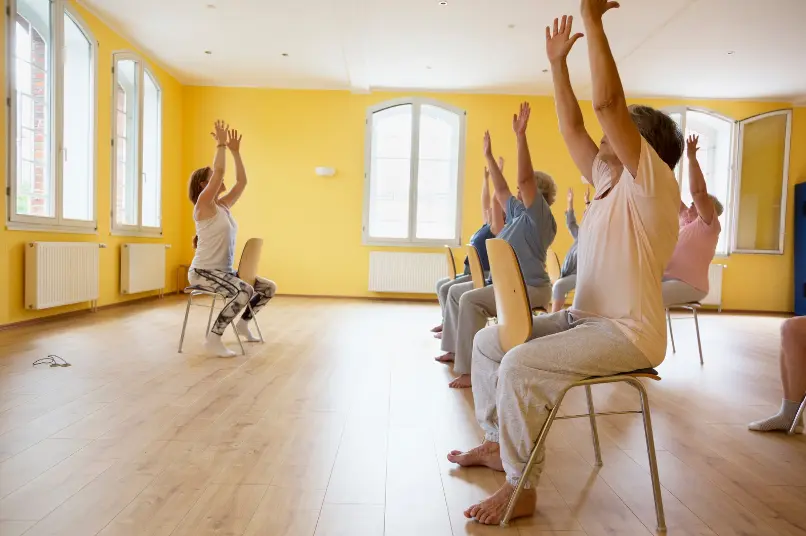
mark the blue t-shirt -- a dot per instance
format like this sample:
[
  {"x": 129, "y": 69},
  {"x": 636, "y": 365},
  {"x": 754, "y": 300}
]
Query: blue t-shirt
[
  {"x": 479, "y": 241},
  {"x": 530, "y": 232}
]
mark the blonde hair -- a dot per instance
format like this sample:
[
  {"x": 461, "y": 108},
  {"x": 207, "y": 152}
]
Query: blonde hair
[
  {"x": 717, "y": 206},
  {"x": 546, "y": 186}
]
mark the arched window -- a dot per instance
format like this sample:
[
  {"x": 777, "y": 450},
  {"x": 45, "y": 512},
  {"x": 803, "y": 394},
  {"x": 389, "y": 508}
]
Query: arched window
[
  {"x": 414, "y": 163},
  {"x": 136, "y": 137},
  {"x": 53, "y": 107}
]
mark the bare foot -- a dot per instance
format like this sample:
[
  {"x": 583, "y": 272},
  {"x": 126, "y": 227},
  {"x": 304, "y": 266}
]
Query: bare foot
[
  {"x": 445, "y": 358},
  {"x": 491, "y": 510},
  {"x": 461, "y": 382},
  {"x": 488, "y": 454},
  {"x": 437, "y": 329},
  {"x": 438, "y": 335}
]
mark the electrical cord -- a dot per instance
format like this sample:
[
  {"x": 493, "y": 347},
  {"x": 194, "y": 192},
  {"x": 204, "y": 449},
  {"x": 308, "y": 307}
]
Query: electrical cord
[{"x": 51, "y": 361}]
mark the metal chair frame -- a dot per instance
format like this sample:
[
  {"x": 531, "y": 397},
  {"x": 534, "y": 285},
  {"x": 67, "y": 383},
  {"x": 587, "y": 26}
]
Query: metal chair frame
[
  {"x": 798, "y": 416},
  {"x": 693, "y": 307},
  {"x": 191, "y": 292}
]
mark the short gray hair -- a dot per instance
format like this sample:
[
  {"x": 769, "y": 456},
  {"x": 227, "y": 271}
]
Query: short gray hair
[
  {"x": 660, "y": 131},
  {"x": 546, "y": 186},
  {"x": 717, "y": 206}
]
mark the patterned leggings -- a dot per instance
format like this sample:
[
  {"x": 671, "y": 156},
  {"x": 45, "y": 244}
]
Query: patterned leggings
[{"x": 239, "y": 292}]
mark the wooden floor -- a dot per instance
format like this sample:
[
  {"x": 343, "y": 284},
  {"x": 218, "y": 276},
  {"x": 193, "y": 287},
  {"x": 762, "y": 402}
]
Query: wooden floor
[{"x": 340, "y": 423}]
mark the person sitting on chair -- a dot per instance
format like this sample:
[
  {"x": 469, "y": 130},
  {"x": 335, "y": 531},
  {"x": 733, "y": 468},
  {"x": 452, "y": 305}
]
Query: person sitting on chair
[
  {"x": 530, "y": 230},
  {"x": 568, "y": 273},
  {"x": 616, "y": 324},
  {"x": 793, "y": 378},
  {"x": 211, "y": 269},
  {"x": 493, "y": 218},
  {"x": 686, "y": 277}
]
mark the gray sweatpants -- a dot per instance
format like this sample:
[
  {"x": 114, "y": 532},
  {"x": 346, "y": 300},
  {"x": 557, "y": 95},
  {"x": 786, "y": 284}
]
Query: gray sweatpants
[
  {"x": 563, "y": 286},
  {"x": 467, "y": 312},
  {"x": 444, "y": 285},
  {"x": 676, "y": 292},
  {"x": 514, "y": 392}
]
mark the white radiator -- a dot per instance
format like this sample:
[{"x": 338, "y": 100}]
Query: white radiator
[
  {"x": 60, "y": 273},
  {"x": 142, "y": 267},
  {"x": 714, "y": 296},
  {"x": 406, "y": 272}
]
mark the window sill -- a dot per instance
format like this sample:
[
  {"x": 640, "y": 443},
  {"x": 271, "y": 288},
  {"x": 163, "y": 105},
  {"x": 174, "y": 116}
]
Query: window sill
[
  {"x": 19, "y": 226},
  {"x": 135, "y": 233},
  {"x": 428, "y": 244}
]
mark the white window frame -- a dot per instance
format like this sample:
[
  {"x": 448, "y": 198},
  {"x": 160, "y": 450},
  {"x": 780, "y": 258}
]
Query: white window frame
[
  {"x": 735, "y": 177},
  {"x": 412, "y": 240},
  {"x": 142, "y": 69},
  {"x": 56, "y": 223}
]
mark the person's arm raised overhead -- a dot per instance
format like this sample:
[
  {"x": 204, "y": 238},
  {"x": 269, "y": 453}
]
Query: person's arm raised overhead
[
  {"x": 205, "y": 205},
  {"x": 234, "y": 144},
  {"x": 696, "y": 182},
  {"x": 496, "y": 210},
  {"x": 570, "y": 217},
  {"x": 501, "y": 190},
  {"x": 486, "y": 216},
  {"x": 526, "y": 172},
  {"x": 581, "y": 146},
  {"x": 609, "y": 101}
]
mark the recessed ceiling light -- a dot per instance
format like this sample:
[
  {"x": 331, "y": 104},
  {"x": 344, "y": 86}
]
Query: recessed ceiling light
[
  {"x": 210, "y": 6},
  {"x": 208, "y": 52},
  {"x": 731, "y": 52},
  {"x": 428, "y": 67},
  {"x": 443, "y": 3},
  {"x": 284, "y": 54},
  {"x": 545, "y": 70},
  {"x": 511, "y": 26}
]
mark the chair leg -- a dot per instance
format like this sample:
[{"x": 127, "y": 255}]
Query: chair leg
[
  {"x": 237, "y": 337},
  {"x": 185, "y": 323},
  {"x": 671, "y": 334},
  {"x": 697, "y": 327},
  {"x": 594, "y": 431},
  {"x": 254, "y": 317},
  {"x": 541, "y": 439},
  {"x": 650, "y": 448},
  {"x": 210, "y": 318},
  {"x": 798, "y": 416}
]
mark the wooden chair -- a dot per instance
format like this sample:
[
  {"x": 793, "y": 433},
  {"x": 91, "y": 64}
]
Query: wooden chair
[
  {"x": 693, "y": 307},
  {"x": 515, "y": 327},
  {"x": 247, "y": 271},
  {"x": 553, "y": 266},
  {"x": 451, "y": 263},
  {"x": 476, "y": 270}
]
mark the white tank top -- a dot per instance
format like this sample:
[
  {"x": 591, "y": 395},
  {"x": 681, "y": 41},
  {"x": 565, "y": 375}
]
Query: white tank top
[{"x": 216, "y": 247}]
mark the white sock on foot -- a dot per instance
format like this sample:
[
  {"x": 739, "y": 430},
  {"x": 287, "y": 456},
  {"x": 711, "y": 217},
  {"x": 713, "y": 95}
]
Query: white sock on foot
[
  {"x": 215, "y": 346},
  {"x": 243, "y": 329},
  {"x": 782, "y": 421}
]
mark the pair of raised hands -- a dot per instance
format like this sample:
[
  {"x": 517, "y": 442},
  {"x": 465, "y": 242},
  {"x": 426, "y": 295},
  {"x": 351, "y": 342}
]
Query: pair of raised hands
[
  {"x": 560, "y": 40},
  {"x": 224, "y": 136},
  {"x": 571, "y": 196},
  {"x": 520, "y": 121}
]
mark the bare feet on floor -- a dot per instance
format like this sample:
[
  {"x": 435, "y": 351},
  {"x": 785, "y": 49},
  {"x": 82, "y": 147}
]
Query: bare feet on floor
[
  {"x": 445, "y": 358},
  {"x": 461, "y": 382},
  {"x": 491, "y": 510},
  {"x": 488, "y": 454},
  {"x": 437, "y": 329}
]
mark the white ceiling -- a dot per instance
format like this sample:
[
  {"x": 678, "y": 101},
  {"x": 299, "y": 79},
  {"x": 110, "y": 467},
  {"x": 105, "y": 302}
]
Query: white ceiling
[{"x": 663, "y": 47}]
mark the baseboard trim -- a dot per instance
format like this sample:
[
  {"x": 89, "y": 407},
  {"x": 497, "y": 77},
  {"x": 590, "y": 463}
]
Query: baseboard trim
[{"x": 427, "y": 299}]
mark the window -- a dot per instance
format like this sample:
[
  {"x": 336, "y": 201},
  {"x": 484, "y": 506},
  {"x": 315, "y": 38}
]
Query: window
[
  {"x": 52, "y": 118},
  {"x": 744, "y": 163},
  {"x": 136, "y": 138},
  {"x": 415, "y": 153}
]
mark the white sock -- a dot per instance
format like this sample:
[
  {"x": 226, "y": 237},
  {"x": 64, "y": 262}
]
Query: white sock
[
  {"x": 214, "y": 345},
  {"x": 243, "y": 329},
  {"x": 781, "y": 421}
]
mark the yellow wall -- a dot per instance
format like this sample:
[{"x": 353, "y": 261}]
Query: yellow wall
[
  {"x": 312, "y": 225},
  {"x": 12, "y": 242}
]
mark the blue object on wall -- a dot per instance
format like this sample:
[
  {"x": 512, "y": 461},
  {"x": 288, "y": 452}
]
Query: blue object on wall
[{"x": 800, "y": 249}]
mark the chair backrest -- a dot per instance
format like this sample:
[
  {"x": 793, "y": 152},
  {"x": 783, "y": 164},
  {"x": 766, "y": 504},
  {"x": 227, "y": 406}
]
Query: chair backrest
[
  {"x": 553, "y": 266},
  {"x": 250, "y": 257},
  {"x": 476, "y": 271},
  {"x": 451, "y": 262},
  {"x": 511, "y": 300}
]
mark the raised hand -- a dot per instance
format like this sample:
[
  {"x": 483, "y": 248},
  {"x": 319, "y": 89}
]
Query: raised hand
[
  {"x": 570, "y": 196},
  {"x": 560, "y": 40},
  {"x": 486, "y": 173},
  {"x": 221, "y": 132},
  {"x": 234, "y": 141},
  {"x": 488, "y": 144},
  {"x": 521, "y": 120},
  {"x": 595, "y": 9},
  {"x": 691, "y": 145},
  {"x": 588, "y": 195},
  {"x": 501, "y": 164}
]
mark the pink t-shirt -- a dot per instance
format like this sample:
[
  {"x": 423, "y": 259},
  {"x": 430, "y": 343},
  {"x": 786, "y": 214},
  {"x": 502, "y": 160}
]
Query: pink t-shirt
[
  {"x": 694, "y": 252},
  {"x": 625, "y": 242}
]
